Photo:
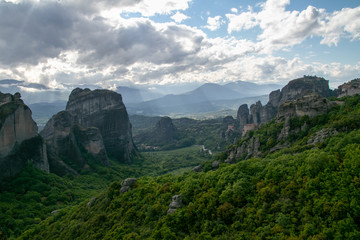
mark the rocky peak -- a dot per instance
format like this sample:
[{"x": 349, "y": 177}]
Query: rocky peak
[
  {"x": 302, "y": 86},
  {"x": 19, "y": 140},
  {"x": 293, "y": 90},
  {"x": 105, "y": 110},
  {"x": 243, "y": 116},
  {"x": 164, "y": 129},
  {"x": 274, "y": 98},
  {"x": 255, "y": 113},
  {"x": 348, "y": 89}
]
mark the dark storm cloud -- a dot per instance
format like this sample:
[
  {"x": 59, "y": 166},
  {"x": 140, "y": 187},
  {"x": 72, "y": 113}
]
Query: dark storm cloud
[
  {"x": 93, "y": 6},
  {"x": 140, "y": 41},
  {"x": 32, "y": 32}
]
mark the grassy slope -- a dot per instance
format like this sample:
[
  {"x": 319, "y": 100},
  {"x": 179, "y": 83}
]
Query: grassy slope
[{"x": 295, "y": 193}]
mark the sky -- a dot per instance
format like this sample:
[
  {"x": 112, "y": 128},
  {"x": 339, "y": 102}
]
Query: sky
[{"x": 177, "y": 42}]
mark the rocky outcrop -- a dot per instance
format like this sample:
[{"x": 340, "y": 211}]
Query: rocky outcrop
[
  {"x": 164, "y": 131},
  {"x": 176, "y": 203},
  {"x": 243, "y": 116},
  {"x": 304, "y": 86},
  {"x": 348, "y": 89},
  {"x": 20, "y": 143},
  {"x": 295, "y": 89},
  {"x": 68, "y": 142},
  {"x": 310, "y": 105},
  {"x": 127, "y": 184},
  {"x": 229, "y": 132},
  {"x": 105, "y": 110},
  {"x": 215, "y": 165},
  {"x": 321, "y": 135},
  {"x": 249, "y": 148},
  {"x": 197, "y": 169}
]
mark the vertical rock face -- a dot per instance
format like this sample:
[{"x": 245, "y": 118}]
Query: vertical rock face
[
  {"x": 68, "y": 141},
  {"x": 274, "y": 98},
  {"x": 255, "y": 110},
  {"x": 19, "y": 140},
  {"x": 348, "y": 89},
  {"x": 311, "y": 105},
  {"x": 104, "y": 110},
  {"x": 243, "y": 116},
  {"x": 303, "y": 86},
  {"x": 164, "y": 130}
]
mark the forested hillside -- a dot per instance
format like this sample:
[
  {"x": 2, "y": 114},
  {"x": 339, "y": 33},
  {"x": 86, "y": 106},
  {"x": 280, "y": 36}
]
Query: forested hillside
[{"x": 305, "y": 190}]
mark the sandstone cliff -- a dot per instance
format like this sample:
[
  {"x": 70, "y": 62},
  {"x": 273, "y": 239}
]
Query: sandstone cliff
[
  {"x": 20, "y": 143},
  {"x": 295, "y": 89},
  {"x": 310, "y": 105},
  {"x": 348, "y": 89},
  {"x": 106, "y": 111},
  {"x": 164, "y": 130},
  {"x": 68, "y": 142}
]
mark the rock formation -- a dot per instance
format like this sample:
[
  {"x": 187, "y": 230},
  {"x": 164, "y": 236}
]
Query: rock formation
[
  {"x": 215, "y": 165},
  {"x": 310, "y": 105},
  {"x": 321, "y": 135},
  {"x": 106, "y": 111},
  {"x": 20, "y": 143},
  {"x": 303, "y": 86},
  {"x": 176, "y": 203},
  {"x": 164, "y": 130},
  {"x": 229, "y": 129},
  {"x": 127, "y": 184},
  {"x": 348, "y": 89},
  {"x": 295, "y": 89},
  {"x": 67, "y": 142},
  {"x": 94, "y": 123},
  {"x": 197, "y": 169},
  {"x": 243, "y": 116}
]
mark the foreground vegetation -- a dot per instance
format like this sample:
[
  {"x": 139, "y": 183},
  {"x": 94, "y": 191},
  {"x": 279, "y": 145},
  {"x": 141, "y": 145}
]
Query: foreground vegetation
[
  {"x": 314, "y": 194},
  {"x": 33, "y": 195}
]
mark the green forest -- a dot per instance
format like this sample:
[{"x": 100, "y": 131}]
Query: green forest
[{"x": 302, "y": 191}]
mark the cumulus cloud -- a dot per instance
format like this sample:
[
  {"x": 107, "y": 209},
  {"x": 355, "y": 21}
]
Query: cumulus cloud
[
  {"x": 66, "y": 43},
  {"x": 214, "y": 23},
  {"x": 234, "y": 10},
  {"x": 344, "y": 23},
  {"x": 179, "y": 17},
  {"x": 243, "y": 21},
  {"x": 281, "y": 28}
]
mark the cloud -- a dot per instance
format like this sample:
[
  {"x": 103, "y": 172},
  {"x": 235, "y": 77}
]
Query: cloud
[
  {"x": 179, "y": 17},
  {"x": 281, "y": 28},
  {"x": 144, "y": 7},
  {"x": 30, "y": 33},
  {"x": 67, "y": 43},
  {"x": 344, "y": 23},
  {"x": 243, "y": 21},
  {"x": 214, "y": 23},
  {"x": 234, "y": 10}
]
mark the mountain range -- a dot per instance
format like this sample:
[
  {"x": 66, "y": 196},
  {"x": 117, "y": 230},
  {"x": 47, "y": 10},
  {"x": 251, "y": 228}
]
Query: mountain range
[{"x": 209, "y": 97}]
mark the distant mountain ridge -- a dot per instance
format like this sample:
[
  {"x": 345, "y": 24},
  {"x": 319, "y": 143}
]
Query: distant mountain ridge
[{"x": 205, "y": 98}]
